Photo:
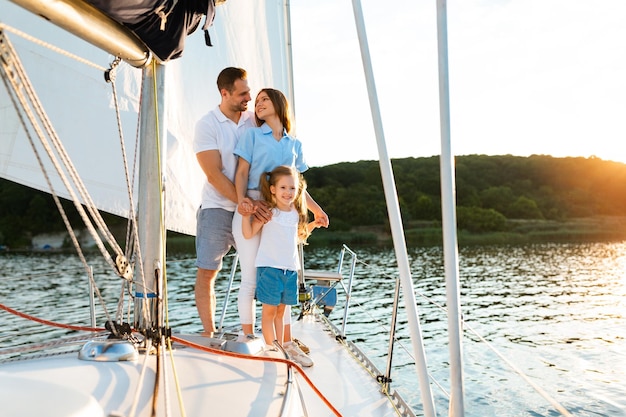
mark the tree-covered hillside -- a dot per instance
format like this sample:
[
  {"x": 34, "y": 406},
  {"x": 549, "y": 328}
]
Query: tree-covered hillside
[{"x": 490, "y": 190}]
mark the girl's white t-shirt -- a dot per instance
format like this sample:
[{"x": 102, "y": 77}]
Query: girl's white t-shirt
[{"x": 278, "y": 247}]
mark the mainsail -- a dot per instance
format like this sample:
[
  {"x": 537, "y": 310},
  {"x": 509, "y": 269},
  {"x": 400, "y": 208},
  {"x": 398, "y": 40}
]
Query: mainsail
[{"x": 81, "y": 107}]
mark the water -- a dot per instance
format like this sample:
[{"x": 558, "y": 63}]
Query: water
[{"x": 555, "y": 311}]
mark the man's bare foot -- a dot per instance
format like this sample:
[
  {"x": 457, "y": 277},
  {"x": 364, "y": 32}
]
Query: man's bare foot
[{"x": 207, "y": 334}]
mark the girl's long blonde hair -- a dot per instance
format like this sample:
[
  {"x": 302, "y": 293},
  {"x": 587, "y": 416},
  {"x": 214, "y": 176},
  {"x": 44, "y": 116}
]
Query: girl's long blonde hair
[{"x": 271, "y": 178}]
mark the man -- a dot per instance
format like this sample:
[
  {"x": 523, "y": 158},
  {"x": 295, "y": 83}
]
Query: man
[{"x": 216, "y": 136}]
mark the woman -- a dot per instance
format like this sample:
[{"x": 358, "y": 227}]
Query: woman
[{"x": 260, "y": 150}]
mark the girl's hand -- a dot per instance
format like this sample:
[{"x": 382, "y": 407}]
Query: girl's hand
[
  {"x": 321, "y": 219},
  {"x": 320, "y": 223}
]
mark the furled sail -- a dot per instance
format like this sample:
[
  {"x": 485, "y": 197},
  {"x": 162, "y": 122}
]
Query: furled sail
[
  {"x": 163, "y": 25},
  {"x": 80, "y": 103}
]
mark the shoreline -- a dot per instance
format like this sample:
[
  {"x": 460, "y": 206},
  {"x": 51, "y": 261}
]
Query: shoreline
[
  {"x": 421, "y": 233},
  {"x": 429, "y": 233}
]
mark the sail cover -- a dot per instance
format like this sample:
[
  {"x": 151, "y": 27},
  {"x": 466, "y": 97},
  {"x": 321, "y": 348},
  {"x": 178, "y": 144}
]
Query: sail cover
[
  {"x": 163, "y": 25},
  {"x": 80, "y": 106}
]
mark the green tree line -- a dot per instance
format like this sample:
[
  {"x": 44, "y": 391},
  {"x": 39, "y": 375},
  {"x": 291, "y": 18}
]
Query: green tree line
[
  {"x": 490, "y": 190},
  {"x": 26, "y": 212}
]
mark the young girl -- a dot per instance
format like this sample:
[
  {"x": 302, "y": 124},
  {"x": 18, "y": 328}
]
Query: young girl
[
  {"x": 277, "y": 259},
  {"x": 259, "y": 150}
]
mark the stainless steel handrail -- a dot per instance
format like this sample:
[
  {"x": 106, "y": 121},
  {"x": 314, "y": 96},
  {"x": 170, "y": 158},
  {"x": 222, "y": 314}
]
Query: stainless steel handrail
[
  {"x": 349, "y": 289},
  {"x": 233, "y": 270}
]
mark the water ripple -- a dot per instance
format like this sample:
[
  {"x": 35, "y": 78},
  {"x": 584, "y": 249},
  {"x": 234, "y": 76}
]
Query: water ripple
[{"x": 557, "y": 311}]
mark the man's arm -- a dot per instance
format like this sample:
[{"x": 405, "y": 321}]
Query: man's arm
[
  {"x": 211, "y": 164},
  {"x": 261, "y": 211}
]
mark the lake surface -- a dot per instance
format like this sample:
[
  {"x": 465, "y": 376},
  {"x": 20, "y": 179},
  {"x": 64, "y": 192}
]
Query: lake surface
[{"x": 555, "y": 311}]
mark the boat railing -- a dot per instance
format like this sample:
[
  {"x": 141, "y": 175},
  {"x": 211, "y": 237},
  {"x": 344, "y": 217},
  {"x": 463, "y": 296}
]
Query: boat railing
[
  {"x": 284, "y": 410},
  {"x": 326, "y": 282},
  {"x": 231, "y": 278}
]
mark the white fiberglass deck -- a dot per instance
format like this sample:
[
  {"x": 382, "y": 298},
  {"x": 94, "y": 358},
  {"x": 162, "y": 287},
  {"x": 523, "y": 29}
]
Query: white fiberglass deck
[{"x": 210, "y": 383}]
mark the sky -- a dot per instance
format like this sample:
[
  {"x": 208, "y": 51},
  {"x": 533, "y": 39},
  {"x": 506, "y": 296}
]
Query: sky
[{"x": 526, "y": 77}]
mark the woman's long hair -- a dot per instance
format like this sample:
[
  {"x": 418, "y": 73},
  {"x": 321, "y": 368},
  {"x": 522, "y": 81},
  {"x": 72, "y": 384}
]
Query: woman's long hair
[
  {"x": 271, "y": 178},
  {"x": 281, "y": 107}
]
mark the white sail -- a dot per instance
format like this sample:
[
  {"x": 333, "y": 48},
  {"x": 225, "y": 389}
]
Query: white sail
[{"x": 80, "y": 105}]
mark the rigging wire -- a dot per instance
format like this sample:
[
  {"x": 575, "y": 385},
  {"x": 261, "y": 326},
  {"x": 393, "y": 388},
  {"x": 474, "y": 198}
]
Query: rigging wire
[
  {"x": 518, "y": 371},
  {"x": 132, "y": 235},
  {"x": 56, "y": 49},
  {"x": 510, "y": 364},
  {"x": 25, "y": 93},
  {"x": 12, "y": 69},
  {"x": 58, "y": 146},
  {"x": 120, "y": 264}
]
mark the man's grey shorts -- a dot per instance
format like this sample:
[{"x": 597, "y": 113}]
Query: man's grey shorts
[{"x": 214, "y": 237}]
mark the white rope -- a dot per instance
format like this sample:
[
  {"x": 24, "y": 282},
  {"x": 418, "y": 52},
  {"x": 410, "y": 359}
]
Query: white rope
[
  {"x": 11, "y": 58},
  {"x": 129, "y": 183},
  {"x": 89, "y": 203},
  {"x": 50, "y": 46},
  {"x": 54, "y": 138},
  {"x": 67, "y": 341},
  {"x": 25, "y": 85},
  {"x": 132, "y": 231},
  {"x": 142, "y": 377}
]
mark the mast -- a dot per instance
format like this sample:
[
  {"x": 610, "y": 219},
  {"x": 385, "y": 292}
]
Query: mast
[
  {"x": 451, "y": 263},
  {"x": 150, "y": 204},
  {"x": 393, "y": 208},
  {"x": 289, "y": 57}
]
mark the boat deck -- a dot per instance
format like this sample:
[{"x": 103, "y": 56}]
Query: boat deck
[
  {"x": 342, "y": 380},
  {"x": 207, "y": 382}
]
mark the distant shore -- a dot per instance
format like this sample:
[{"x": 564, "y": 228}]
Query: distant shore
[
  {"x": 589, "y": 229},
  {"x": 597, "y": 229},
  {"x": 605, "y": 228}
]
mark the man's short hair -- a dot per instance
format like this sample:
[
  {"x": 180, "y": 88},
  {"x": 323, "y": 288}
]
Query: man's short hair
[{"x": 228, "y": 76}]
